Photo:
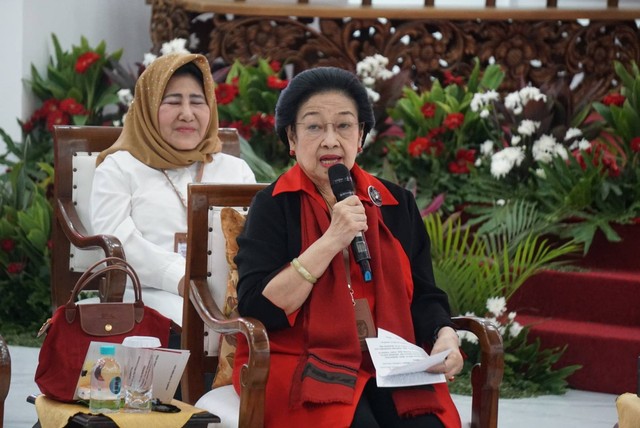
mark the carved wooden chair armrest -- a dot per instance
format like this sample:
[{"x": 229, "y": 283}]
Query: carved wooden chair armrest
[
  {"x": 254, "y": 374},
  {"x": 69, "y": 222},
  {"x": 486, "y": 376}
]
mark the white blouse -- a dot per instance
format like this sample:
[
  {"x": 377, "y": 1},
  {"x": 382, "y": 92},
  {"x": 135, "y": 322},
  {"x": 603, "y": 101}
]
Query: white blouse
[{"x": 140, "y": 206}]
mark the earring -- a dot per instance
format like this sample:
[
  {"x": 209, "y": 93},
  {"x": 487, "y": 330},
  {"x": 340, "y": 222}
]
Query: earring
[{"x": 292, "y": 153}]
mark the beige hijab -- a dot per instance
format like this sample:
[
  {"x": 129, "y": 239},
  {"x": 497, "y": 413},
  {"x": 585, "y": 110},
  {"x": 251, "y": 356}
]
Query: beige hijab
[{"x": 141, "y": 136}]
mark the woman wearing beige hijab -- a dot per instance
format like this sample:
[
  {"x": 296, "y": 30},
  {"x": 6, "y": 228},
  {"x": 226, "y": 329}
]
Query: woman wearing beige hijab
[{"x": 169, "y": 139}]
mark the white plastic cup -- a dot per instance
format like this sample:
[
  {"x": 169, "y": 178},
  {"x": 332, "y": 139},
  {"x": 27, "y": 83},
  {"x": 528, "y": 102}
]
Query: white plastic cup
[{"x": 138, "y": 373}]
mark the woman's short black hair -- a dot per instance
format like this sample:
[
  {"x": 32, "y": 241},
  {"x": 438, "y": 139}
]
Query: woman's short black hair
[
  {"x": 190, "y": 69},
  {"x": 320, "y": 80}
]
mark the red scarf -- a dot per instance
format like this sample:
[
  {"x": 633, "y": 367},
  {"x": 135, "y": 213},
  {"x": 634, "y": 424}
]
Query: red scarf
[{"x": 331, "y": 358}]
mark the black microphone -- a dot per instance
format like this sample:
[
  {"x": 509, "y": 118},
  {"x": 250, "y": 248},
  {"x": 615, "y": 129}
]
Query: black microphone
[{"x": 342, "y": 188}]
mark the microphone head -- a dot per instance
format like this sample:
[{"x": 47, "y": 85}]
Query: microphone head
[{"x": 340, "y": 180}]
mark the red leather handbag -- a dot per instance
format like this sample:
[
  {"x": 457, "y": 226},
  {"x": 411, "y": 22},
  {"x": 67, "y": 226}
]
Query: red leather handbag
[{"x": 73, "y": 327}]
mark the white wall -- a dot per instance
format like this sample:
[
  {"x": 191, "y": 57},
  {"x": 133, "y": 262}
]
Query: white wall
[{"x": 25, "y": 31}]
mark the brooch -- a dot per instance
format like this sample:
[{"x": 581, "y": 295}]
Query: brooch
[{"x": 375, "y": 196}]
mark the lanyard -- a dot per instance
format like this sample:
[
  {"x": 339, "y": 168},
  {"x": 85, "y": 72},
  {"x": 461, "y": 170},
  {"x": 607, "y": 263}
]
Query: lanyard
[{"x": 198, "y": 178}]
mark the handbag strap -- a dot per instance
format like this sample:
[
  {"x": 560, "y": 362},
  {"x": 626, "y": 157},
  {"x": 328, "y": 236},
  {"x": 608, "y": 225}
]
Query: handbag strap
[{"x": 113, "y": 264}]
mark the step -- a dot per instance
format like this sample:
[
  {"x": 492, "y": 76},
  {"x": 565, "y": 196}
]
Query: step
[
  {"x": 621, "y": 256},
  {"x": 596, "y": 296},
  {"x": 608, "y": 353}
]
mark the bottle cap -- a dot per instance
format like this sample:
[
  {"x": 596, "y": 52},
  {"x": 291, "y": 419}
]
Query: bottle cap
[
  {"x": 141, "y": 342},
  {"x": 108, "y": 350}
]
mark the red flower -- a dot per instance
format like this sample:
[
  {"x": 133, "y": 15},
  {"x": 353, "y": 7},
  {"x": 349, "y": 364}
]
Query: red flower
[
  {"x": 48, "y": 106},
  {"x": 28, "y": 126},
  {"x": 613, "y": 99},
  {"x": 14, "y": 268},
  {"x": 243, "y": 130},
  {"x": 71, "y": 106},
  {"x": 464, "y": 158},
  {"x": 450, "y": 79},
  {"x": 429, "y": 110},
  {"x": 57, "y": 117},
  {"x": 425, "y": 145},
  {"x": 7, "y": 245},
  {"x": 275, "y": 65},
  {"x": 453, "y": 120},
  {"x": 263, "y": 122},
  {"x": 433, "y": 133},
  {"x": 226, "y": 93},
  {"x": 417, "y": 146},
  {"x": 274, "y": 82},
  {"x": 85, "y": 61},
  {"x": 635, "y": 144}
]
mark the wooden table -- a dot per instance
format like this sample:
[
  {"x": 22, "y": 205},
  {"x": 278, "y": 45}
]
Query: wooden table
[{"x": 198, "y": 420}]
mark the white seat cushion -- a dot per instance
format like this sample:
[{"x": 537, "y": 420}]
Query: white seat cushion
[{"x": 223, "y": 402}]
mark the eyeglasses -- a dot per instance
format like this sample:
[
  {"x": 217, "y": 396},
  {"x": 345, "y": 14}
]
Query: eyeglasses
[{"x": 314, "y": 130}]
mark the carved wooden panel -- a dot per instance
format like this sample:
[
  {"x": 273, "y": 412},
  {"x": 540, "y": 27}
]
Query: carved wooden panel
[{"x": 530, "y": 51}]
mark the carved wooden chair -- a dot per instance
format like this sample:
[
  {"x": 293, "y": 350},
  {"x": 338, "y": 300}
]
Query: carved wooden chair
[
  {"x": 75, "y": 152},
  {"x": 203, "y": 308},
  {"x": 5, "y": 376}
]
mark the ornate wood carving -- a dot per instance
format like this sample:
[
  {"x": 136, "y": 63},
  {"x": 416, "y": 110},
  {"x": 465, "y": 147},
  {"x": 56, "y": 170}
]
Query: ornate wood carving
[{"x": 530, "y": 51}]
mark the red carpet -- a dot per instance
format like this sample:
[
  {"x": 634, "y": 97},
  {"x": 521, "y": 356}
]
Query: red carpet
[{"x": 595, "y": 313}]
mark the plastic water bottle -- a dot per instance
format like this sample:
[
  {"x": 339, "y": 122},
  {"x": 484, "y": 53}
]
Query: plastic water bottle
[{"x": 106, "y": 382}]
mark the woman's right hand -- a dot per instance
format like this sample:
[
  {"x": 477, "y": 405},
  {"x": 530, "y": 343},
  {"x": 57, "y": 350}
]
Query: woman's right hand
[{"x": 348, "y": 217}]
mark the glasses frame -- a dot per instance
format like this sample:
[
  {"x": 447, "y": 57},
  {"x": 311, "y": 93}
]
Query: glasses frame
[{"x": 325, "y": 127}]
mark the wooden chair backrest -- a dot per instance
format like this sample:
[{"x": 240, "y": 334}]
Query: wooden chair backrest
[
  {"x": 76, "y": 146},
  {"x": 200, "y": 306}
]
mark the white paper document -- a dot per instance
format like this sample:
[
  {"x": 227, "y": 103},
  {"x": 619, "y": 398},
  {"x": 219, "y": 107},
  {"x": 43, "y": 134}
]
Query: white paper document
[{"x": 401, "y": 363}]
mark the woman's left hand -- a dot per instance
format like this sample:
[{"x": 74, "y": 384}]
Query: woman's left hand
[{"x": 452, "y": 365}]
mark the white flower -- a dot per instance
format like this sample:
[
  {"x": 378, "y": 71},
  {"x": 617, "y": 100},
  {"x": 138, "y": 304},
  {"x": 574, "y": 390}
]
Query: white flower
[
  {"x": 468, "y": 336},
  {"x": 584, "y": 144},
  {"x": 484, "y": 114},
  {"x": 572, "y": 133},
  {"x": 148, "y": 59},
  {"x": 528, "y": 127},
  {"x": 500, "y": 202},
  {"x": 486, "y": 148},
  {"x": 373, "y": 95},
  {"x": 174, "y": 46},
  {"x": 374, "y": 68},
  {"x": 497, "y": 305},
  {"x": 515, "y": 140},
  {"x": 515, "y": 329},
  {"x": 512, "y": 316},
  {"x": 512, "y": 102},
  {"x": 529, "y": 93},
  {"x": 478, "y": 163},
  {"x": 503, "y": 161},
  {"x": 368, "y": 81},
  {"x": 543, "y": 149},
  {"x": 561, "y": 151},
  {"x": 481, "y": 100},
  {"x": 540, "y": 173},
  {"x": 125, "y": 96}
]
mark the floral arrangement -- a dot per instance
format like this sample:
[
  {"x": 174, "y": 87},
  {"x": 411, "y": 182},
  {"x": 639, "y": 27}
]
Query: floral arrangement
[
  {"x": 441, "y": 137},
  {"x": 528, "y": 369},
  {"x": 74, "y": 90},
  {"x": 247, "y": 99}
]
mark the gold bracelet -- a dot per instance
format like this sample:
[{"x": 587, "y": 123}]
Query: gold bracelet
[{"x": 302, "y": 271}]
